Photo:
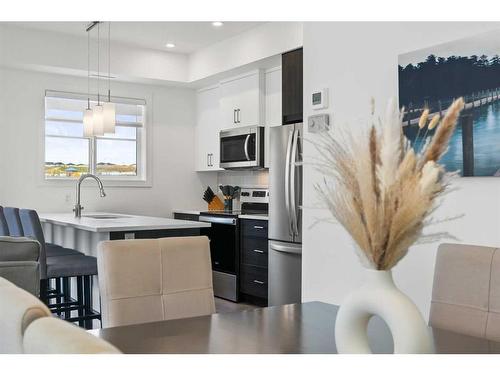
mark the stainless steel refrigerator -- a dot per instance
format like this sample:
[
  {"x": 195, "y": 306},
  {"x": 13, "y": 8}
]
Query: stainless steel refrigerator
[{"x": 285, "y": 214}]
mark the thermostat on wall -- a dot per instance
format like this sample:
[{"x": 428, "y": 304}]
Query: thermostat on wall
[{"x": 320, "y": 99}]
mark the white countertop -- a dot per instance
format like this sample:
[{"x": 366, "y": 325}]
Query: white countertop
[
  {"x": 123, "y": 222},
  {"x": 189, "y": 212}
]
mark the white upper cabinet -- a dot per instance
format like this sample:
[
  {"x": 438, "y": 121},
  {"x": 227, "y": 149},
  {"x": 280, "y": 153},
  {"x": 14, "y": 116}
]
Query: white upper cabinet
[
  {"x": 242, "y": 100},
  {"x": 208, "y": 125},
  {"x": 273, "y": 107}
]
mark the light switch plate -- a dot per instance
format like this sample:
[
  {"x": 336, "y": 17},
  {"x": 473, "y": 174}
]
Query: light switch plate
[{"x": 318, "y": 123}]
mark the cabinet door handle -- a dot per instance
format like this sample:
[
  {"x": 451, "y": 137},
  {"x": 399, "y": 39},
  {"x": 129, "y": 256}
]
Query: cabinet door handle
[
  {"x": 259, "y": 251},
  {"x": 208, "y": 160},
  {"x": 238, "y": 117},
  {"x": 258, "y": 227},
  {"x": 259, "y": 282},
  {"x": 234, "y": 116},
  {"x": 211, "y": 161}
]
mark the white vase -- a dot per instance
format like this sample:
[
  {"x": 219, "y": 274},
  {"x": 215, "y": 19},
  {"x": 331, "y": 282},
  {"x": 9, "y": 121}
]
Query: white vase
[{"x": 380, "y": 296}]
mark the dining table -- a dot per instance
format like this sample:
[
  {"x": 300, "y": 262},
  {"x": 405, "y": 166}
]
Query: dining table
[{"x": 302, "y": 328}]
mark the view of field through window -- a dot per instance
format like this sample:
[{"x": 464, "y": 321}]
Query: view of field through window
[{"x": 68, "y": 154}]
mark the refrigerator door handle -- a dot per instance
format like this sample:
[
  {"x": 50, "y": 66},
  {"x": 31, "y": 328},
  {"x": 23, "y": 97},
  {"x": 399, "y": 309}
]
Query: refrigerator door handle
[
  {"x": 294, "y": 214},
  {"x": 285, "y": 249},
  {"x": 288, "y": 161}
]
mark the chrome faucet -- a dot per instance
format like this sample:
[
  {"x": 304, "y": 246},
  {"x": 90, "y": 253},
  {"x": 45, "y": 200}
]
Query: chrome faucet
[{"x": 78, "y": 207}]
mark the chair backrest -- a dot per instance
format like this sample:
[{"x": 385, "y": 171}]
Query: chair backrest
[
  {"x": 33, "y": 228},
  {"x": 466, "y": 290},
  {"x": 4, "y": 228},
  {"x": 55, "y": 336},
  {"x": 18, "y": 309},
  {"x": 154, "y": 279},
  {"x": 13, "y": 221},
  {"x": 19, "y": 262}
]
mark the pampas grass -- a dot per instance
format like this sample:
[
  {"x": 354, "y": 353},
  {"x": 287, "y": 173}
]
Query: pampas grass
[{"x": 380, "y": 189}]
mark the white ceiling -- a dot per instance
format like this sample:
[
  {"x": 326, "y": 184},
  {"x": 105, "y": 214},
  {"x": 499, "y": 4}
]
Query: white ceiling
[{"x": 187, "y": 36}]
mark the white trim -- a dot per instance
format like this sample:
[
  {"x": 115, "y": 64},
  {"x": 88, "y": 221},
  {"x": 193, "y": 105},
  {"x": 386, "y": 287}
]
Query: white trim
[
  {"x": 93, "y": 97},
  {"x": 127, "y": 124},
  {"x": 240, "y": 76},
  {"x": 212, "y": 87},
  {"x": 273, "y": 69}
]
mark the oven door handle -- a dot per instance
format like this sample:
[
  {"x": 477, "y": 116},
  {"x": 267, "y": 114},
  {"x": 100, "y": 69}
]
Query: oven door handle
[
  {"x": 218, "y": 220},
  {"x": 246, "y": 147}
]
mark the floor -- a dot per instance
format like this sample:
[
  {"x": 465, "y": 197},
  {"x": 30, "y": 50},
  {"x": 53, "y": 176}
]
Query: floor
[{"x": 223, "y": 306}]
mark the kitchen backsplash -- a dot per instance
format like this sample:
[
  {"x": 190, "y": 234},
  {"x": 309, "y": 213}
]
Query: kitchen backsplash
[{"x": 244, "y": 178}]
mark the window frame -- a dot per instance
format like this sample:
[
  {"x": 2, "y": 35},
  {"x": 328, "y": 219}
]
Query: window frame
[{"x": 143, "y": 146}]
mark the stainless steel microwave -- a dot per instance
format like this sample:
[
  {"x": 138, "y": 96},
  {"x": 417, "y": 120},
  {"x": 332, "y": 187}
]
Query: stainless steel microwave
[{"x": 242, "y": 148}]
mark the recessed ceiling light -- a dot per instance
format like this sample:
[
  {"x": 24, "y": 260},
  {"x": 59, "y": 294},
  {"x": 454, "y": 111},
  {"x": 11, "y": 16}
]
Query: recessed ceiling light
[
  {"x": 170, "y": 45},
  {"x": 217, "y": 24}
]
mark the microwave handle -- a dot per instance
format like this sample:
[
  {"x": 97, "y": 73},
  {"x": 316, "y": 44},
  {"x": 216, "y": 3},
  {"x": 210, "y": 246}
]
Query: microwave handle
[{"x": 246, "y": 147}]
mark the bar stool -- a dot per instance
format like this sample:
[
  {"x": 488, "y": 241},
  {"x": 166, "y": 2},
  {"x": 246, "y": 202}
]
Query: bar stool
[
  {"x": 61, "y": 268},
  {"x": 4, "y": 229}
]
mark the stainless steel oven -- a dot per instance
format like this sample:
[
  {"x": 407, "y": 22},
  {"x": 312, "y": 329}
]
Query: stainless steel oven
[
  {"x": 224, "y": 237},
  {"x": 242, "y": 148}
]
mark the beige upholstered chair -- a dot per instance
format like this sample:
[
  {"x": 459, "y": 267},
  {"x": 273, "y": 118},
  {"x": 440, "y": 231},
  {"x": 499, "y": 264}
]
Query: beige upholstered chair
[
  {"x": 18, "y": 309},
  {"x": 466, "y": 291},
  {"x": 55, "y": 336},
  {"x": 154, "y": 279}
]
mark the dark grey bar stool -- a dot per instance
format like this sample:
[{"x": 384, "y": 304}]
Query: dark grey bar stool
[
  {"x": 4, "y": 228},
  {"x": 60, "y": 268}
]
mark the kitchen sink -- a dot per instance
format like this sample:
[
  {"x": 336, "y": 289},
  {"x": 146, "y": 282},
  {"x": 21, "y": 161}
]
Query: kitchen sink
[{"x": 104, "y": 216}]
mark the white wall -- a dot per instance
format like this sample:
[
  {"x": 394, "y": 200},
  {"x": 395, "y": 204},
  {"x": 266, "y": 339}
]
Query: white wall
[
  {"x": 261, "y": 42},
  {"x": 357, "y": 61},
  {"x": 172, "y": 118},
  {"x": 67, "y": 54}
]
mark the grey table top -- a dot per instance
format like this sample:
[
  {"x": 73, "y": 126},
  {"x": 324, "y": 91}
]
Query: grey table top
[{"x": 298, "y": 328}]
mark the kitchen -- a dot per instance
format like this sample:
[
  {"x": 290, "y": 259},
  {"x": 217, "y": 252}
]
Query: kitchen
[
  {"x": 233, "y": 113},
  {"x": 261, "y": 271}
]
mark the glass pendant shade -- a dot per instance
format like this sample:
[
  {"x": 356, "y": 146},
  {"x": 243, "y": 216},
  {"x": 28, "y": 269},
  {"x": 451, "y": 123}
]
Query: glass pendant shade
[
  {"x": 98, "y": 120},
  {"x": 88, "y": 128},
  {"x": 109, "y": 117}
]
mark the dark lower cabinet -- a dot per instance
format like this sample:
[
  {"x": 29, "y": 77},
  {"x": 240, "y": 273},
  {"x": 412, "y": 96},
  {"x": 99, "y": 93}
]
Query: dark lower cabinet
[
  {"x": 253, "y": 281},
  {"x": 254, "y": 261}
]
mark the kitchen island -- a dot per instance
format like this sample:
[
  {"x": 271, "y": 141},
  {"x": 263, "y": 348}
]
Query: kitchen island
[{"x": 85, "y": 232}]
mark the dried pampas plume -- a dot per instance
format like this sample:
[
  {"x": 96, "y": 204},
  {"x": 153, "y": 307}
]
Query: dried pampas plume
[{"x": 380, "y": 189}]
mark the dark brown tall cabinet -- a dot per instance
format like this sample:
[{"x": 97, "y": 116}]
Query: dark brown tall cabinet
[{"x": 292, "y": 90}]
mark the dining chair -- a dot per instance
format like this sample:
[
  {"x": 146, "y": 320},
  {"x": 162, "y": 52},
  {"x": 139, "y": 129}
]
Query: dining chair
[
  {"x": 54, "y": 336},
  {"x": 466, "y": 290},
  {"x": 18, "y": 309},
  {"x": 147, "y": 280}
]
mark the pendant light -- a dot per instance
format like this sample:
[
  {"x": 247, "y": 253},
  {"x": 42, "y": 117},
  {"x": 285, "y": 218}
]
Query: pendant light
[
  {"x": 98, "y": 118},
  {"x": 88, "y": 115},
  {"x": 109, "y": 111},
  {"x": 101, "y": 119}
]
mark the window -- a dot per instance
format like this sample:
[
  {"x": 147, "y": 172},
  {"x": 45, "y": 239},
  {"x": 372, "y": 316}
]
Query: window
[{"x": 68, "y": 154}]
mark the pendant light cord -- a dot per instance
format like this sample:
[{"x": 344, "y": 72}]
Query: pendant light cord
[
  {"x": 88, "y": 69},
  {"x": 98, "y": 61},
  {"x": 109, "y": 61}
]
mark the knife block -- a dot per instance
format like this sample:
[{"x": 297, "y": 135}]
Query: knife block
[{"x": 216, "y": 204}]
